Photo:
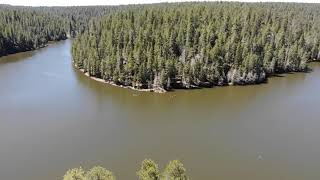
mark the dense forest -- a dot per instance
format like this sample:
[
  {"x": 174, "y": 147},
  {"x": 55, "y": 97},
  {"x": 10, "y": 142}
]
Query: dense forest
[
  {"x": 177, "y": 45},
  {"x": 149, "y": 170},
  {"x": 77, "y": 17},
  {"x": 28, "y": 28},
  {"x": 23, "y": 29},
  {"x": 190, "y": 45}
]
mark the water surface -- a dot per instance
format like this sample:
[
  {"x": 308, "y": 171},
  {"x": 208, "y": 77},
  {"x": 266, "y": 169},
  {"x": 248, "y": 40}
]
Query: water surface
[{"x": 52, "y": 118}]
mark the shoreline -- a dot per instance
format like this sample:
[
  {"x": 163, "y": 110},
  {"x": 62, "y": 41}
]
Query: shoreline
[
  {"x": 32, "y": 50},
  {"x": 25, "y": 51},
  {"x": 160, "y": 90},
  {"x": 155, "y": 90}
]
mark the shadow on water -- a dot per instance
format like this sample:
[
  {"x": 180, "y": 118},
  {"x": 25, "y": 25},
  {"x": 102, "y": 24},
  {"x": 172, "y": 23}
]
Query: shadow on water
[
  {"x": 13, "y": 58},
  {"x": 204, "y": 99},
  {"x": 283, "y": 74}
]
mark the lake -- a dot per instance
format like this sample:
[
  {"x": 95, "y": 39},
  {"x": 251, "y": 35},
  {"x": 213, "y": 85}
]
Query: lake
[{"x": 52, "y": 118}]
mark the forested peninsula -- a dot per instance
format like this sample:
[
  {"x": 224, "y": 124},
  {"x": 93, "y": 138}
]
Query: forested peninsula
[{"x": 162, "y": 47}]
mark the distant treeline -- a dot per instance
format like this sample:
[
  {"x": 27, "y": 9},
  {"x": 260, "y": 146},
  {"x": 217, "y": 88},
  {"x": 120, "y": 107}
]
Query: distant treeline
[
  {"x": 149, "y": 170},
  {"x": 28, "y": 28},
  {"x": 23, "y": 29},
  {"x": 186, "y": 45}
]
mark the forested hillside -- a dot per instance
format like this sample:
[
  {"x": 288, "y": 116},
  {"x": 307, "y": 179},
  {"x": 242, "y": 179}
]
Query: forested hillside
[
  {"x": 186, "y": 45},
  {"x": 78, "y": 17},
  {"x": 165, "y": 46},
  {"x": 23, "y": 29},
  {"x": 29, "y": 28}
]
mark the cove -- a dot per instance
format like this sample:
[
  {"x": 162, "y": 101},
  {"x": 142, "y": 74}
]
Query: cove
[{"x": 52, "y": 118}]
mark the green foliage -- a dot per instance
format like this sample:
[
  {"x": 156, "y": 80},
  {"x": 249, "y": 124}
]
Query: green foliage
[
  {"x": 24, "y": 29},
  {"x": 96, "y": 173},
  {"x": 30, "y": 28},
  {"x": 75, "y": 174},
  {"x": 149, "y": 170},
  {"x": 199, "y": 44},
  {"x": 175, "y": 45},
  {"x": 99, "y": 173},
  {"x": 175, "y": 171}
]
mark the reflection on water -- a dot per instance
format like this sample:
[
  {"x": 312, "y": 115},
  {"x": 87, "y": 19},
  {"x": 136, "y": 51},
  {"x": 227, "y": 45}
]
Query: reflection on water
[
  {"x": 54, "y": 118},
  {"x": 16, "y": 57}
]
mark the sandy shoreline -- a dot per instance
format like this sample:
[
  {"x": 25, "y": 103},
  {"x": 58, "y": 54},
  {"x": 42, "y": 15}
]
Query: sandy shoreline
[
  {"x": 121, "y": 86},
  {"x": 156, "y": 90}
]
